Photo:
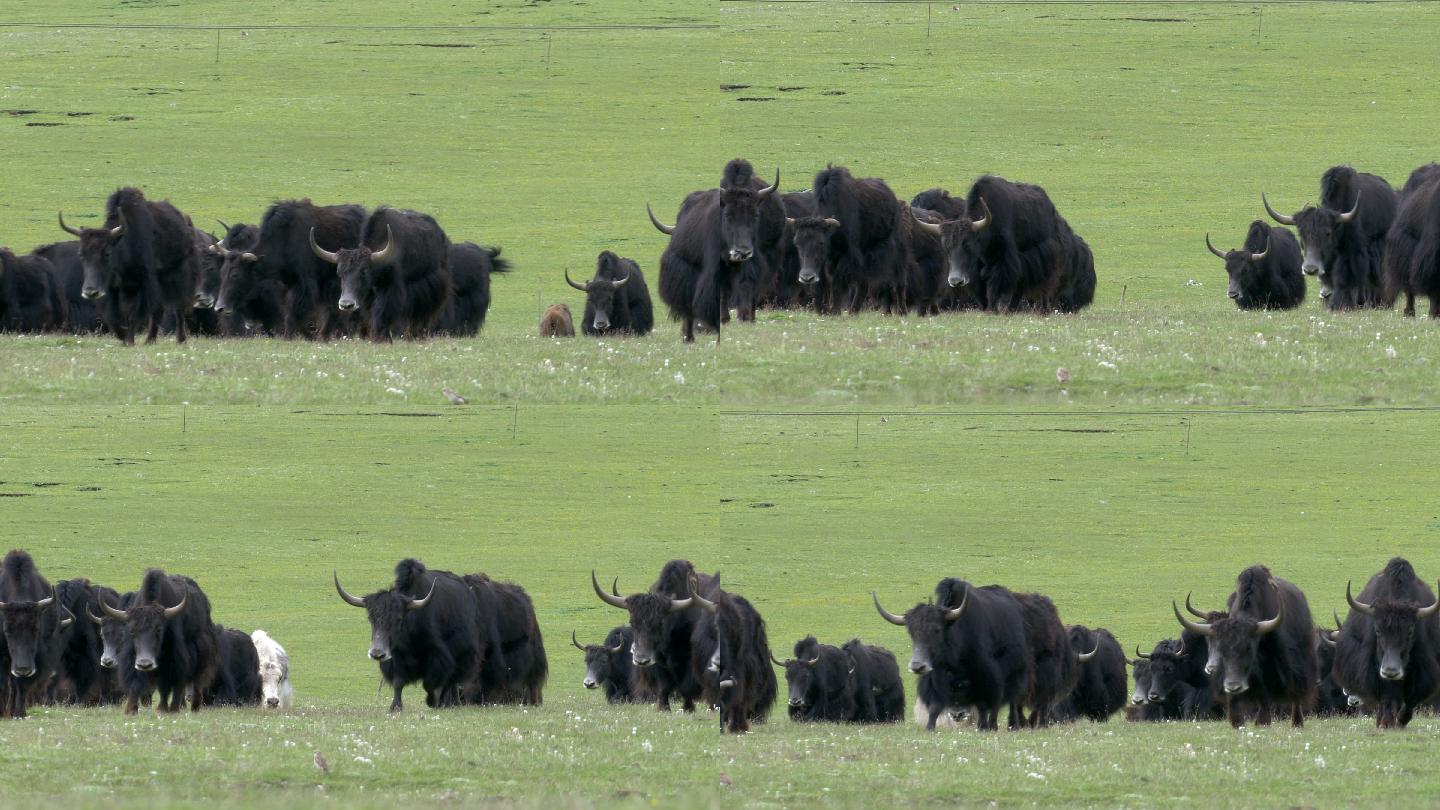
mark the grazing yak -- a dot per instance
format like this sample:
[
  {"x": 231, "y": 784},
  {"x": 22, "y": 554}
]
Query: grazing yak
[
  {"x": 821, "y": 683},
  {"x": 1100, "y": 687},
  {"x": 276, "y": 691},
  {"x": 1265, "y": 272},
  {"x": 609, "y": 667},
  {"x": 471, "y": 266},
  {"x": 513, "y": 664},
  {"x": 236, "y": 290},
  {"x": 170, "y": 640},
  {"x": 738, "y": 674},
  {"x": 79, "y": 678},
  {"x": 237, "y": 675},
  {"x": 30, "y": 297},
  {"x": 879, "y": 692},
  {"x": 716, "y": 232},
  {"x": 117, "y": 654},
  {"x": 32, "y": 619},
  {"x": 82, "y": 315},
  {"x": 556, "y": 322},
  {"x": 1412, "y": 246},
  {"x": 872, "y": 255},
  {"x": 616, "y": 298},
  {"x": 1015, "y": 250},
  {"x": 1385, "y": 653},
  {"x": 399, "y": 272},
  {"x": 1263, "y": 650},
  {"x": 423, "y": 628},
  {"x": 666, "y": 622},
  {"x": 1344, "y": 237},
  {"x": 140, "y": 265},
  {"x": 939, "y": 201},
  {"x": 285, "y": 257},
  {"x": 974, "y": 653},
  {"x": 1054, "y": 666},
  {"x": 1169, "y": 688}
]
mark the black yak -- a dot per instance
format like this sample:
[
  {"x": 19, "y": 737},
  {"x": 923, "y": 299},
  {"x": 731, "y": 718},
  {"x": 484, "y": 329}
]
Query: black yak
[
  {"x": 1344, "y": 237},
  {"x": 873, "y": 257},
  {"x": 82, "y": 315},
  {"x": 399, "y": 271},
  {"x": 171, "y": 638},
  {"x": 142, "y": 264},
  {"x": 1386, "y": 651},
  {"x": 237, "y": 673},
  {"x": 1170, "y": 686},
  {"x": 1265, "y": 648},
  {"x": 939, "y": 201},
  {"x": 1054, "y": 666},
  {"x": 616, "y": 298},
  {"x": 471, "y": 266},
  {"x": 423, "y": 628},
  {"x": 239, "y": 290},
  {"x": 1265, "y": 272},
  {"x": 29, "y": 301},
  {"x": 744, "y": 685},
  {"x": 1100, "y": 688},
  {"x": 513, "y": 664},
  {"x": 973, "y": 641},
  {"x": 608, "y": 667},
  {"x": 31, "y": 617},
  {"x": 820, "y": 681},
  {"x": 1412, "y": 247},
  {"x": 79, "y": 676},
  {"x": 665, "y": 621},
  {"x": 715, "y": 233},
  {"x": 875, "y": 676}
]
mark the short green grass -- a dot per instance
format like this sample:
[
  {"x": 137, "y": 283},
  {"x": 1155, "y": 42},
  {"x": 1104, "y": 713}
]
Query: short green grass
[{"x": 810, "y": 460}]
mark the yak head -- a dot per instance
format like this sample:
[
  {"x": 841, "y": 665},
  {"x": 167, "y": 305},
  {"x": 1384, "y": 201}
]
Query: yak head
[
  {"x": 214, "y": 260},
  {"x": 927, "y": 625},
  {"x": 274, "y": 672},
  {"x": 1234, "y": 645},
  {"x": 801, "y": 672},
  {"x": 1140, "y": 668},
  {"x": 356, "y": 267},
  {"x": 611, "y": 276},
  {"x": 1320, "y": 230},
  {"x": 602, "y": 661},
  {"x": 114, "y": 633},
  {"x": 386, "y": 610},
  {"x": 145, "y": 628},
  {"x": 25, "y": 627},
  {"x": 97, "y": 249},
  {"x": 1241, "y": 265},
  {"x": 740, "y": 208},
  {"x": 1393, "y": 623},
  {"x": 240, "y": 272},
  {"x": 812, "y": 243},
  {"x": 1164, "y": 665},
  {"x": 648, "y": 615},
  {"x": 961, "y": 240}
]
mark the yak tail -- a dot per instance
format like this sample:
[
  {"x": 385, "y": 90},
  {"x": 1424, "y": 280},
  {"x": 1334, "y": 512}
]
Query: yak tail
[
  {"x": 408, "y": 573},
  {"x": 18, "y": 566},
  {"x": 497, "y": 264}
]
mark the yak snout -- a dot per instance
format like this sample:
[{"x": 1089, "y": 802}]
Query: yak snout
[
  {"x": 203, "y": 301},
  {"x": 22, "y": 672},
  {"x": 1392, "y": 673},
  {"x": 91, "y": 293},
  {"x": 1235, "y": 687},
  {"x": 741, "y": 254},
  {"x": 145, "y": 664},
  {"x": 273, "y": 702},
  {"x": 107, "y": 662},
  {"x": 347, "y": 304},
  {"x": 808, "y": 276}
]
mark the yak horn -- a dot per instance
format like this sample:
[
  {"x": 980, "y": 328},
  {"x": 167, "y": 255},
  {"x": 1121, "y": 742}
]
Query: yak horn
[
  {"x": 780, "y": 664},
  {"x": 67, "y": 228},
  {"x": 1197, "y": 614},
  {"x": 694, "y": 597},
  {"x": 620, "y": 283},
  {"x": 831, "y": 222},
  {"x": 1356, "y": 604},
  {"x": 577, "y": 644},
  {"x": 1201, "y": 628},
  {"x": 888, "y": 616},
  {"x": 1275, "y": 215},
  {"x": 1269, "y": 625},
  {"x": 69, "y": 620},
  {"x": 1212, "y": 247},
  {"x": 1349, "y": 215},
  {"x": 416, "y": 604},
  {"x": 954, "y": 614},
  {"x": 609, "y": 599},
  {"x": 662, "y": 228},
  {"x": 978, "y": 225},
  {"x": 1085, "y": 657},
  {"x": 1139, "y": 654},
  {"x": 1255, "y": 257},
  {"x": 349, "y": 599},
  {"x": 383, "y": 256},
  {"x": 174, "y": 610},
  {"x": 580, "y": 287},
  {"x": 928, "y": 227},
  {"x": 1427, "y": 612},
  {"x": 322, "y": 252},
  {"x": 114, "y": 613},
  {"x": 770, "y": 189},
  {"x": 93, "y": 617}
]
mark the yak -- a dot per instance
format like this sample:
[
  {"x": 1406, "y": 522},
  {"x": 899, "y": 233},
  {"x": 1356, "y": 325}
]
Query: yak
[
  {"x": 1264, "y": 648},
  {"x": 237, "y": 673},
  {"x": 1386, "y": 650},
  {"x": 557, "y": 322},
  {"x": 875, "y": 675},
  {"x": 977, "y": 651},
  {"x": 471, "y": 266},
  {"x": 1099, "y": 689},
  {"x": 285, "y": 257},
  {"x": 1016, "y": 249},
  {"x": 821, "y": 683},
  {"x": 1170, "y": 666},
  {"x": 1344, "y": 237},
  {"x": 1265, "y": 272},
  {"x": 513, "y": 666},
  {"x": 873, "y": 257},
  {"x": 1054, "y": 666},
  {"x": 1331, "y": 699},
  {"x": 665, "y": 621},
  {"x": 31, "y": 618},
  {"x": 253, "y": 302},
  {"x": 423, "y": 628},
  {"x": 939, "y": 201},
  {"x": 399, "y": 272},
  {"x": 1412, "y": 246},
  {"x": 608, "y": 667},
  {"x": 716, "y": 232},
  {"x": 926, "y": 287},
  {"x": 171, "y": 639},
  {"x": 616, "y": 298},
  {"x": 81, "y": 315},
  {"x": 29, "y": 300},
  {"x": 79, "y": 674},
  {"x": 739, "y": 666},
  {"x": 140, "y": 265},
  {"x": 275, "y": 688}
]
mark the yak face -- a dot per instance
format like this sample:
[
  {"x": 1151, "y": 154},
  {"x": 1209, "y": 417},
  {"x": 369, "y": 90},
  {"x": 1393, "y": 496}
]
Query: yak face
[
  {"x": 1165, "y": 663},
  {"x": 648, "y": 613},
  {"x": 812, "y": 241},
  {"x": 1141, "y": 669},
  {"x": 273, "y": 675},
  {"x": 114, "y": 636},
  {"x": 23, "y": 625},
  {"x": 598, "y": 665},
  {"x": 147, "y": 633},
  {"x": 739, "y": 222},
  {"x": 239, "y": 274},
  {"x": 207, "y": 283},
  {"x": 1319, "y": 238},
  {"x": 601, "y": 291},
  {"x": 961, "y": 244},
  {"x": 1236, "y": 643},
  {"x": 927, "y": 625},
  {"x": 1394, "y": 627},
  {"x": 97, "y": 250},
  {"x": 386, "y": 611},
  {"x": 356, "y": 270}
]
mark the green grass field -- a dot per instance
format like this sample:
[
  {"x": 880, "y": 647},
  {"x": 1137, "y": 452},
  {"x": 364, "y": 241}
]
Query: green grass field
[{"x": 810, "y": 460}]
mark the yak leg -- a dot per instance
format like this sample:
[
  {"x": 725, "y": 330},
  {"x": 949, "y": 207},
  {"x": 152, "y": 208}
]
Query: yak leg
[
  {"x": 1409, "y": 303},
  {"x": 1264, "y": 716},
  {"x": 1017, "y": 716},
  {"x": 155, "y": 328},
  {"x": 934, "y": 716},
  {"x": 1405, "y": 714},
  {"x": 1434, "y": 307},
  {"x": 396, "y": 704},
  {"x": 180, "y": 329},
  {"x": 1297, "y": 717},
  {"x": 689, "y": 329}
]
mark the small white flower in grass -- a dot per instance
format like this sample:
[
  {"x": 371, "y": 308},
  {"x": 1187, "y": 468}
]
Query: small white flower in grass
[
  {"x": 646, "y": 746},
  {"x": 394, "y": 391},
  {"x": 1108, "y": 364},
  {"x": 679, "y": 378},
  {"x": 364, "y": 760},
  {"x": 1034, "y": 775},
  {"x": 1390, "y": 352}
]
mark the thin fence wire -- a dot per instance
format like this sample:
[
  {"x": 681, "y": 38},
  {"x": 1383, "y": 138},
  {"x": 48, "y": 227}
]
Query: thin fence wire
[
  {"x": 359, "y": 27},
  {"x": 1359, "y": 410}
]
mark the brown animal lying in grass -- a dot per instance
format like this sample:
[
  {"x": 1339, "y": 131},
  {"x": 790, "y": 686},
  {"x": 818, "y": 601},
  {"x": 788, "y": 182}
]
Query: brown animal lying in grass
[{"x": 556, "y": 322}]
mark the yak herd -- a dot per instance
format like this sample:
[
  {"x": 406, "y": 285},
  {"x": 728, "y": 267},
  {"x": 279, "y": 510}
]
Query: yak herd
[{"x": 976, "y": 650}]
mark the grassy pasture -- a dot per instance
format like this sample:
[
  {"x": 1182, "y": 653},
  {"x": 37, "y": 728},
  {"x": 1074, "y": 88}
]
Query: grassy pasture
[{"x": 809, "y": 460}]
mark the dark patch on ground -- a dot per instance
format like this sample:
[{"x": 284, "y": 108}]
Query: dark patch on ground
[
  {"x": 789, "y": 89},
  {"x": 795, "y": 478},
  {"x": 832, "y": 92},
  {"x": 382, "y": 413},
  {"x": 722, "y": 87},
  {"x": 78, "y": 114},
  {"x": 16, "y": 494},
  {"x": 1156, "y": 19},
  {"x": 87, "y": 489},
  {"x": 122, "y": 118},
  {"x": 756, "y": 98},
  {"x": 762, "y": 505},
  {"x": 23, "y": 112},
  {"x": 45, "y": 124},
  {"x": 867, "y": 65},
  {"x": 120, "y": 461},
  {"x": 413, "y": 45},
  {"x": 1069, "y": 430},
  {"x": 45, "y": 484}
]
